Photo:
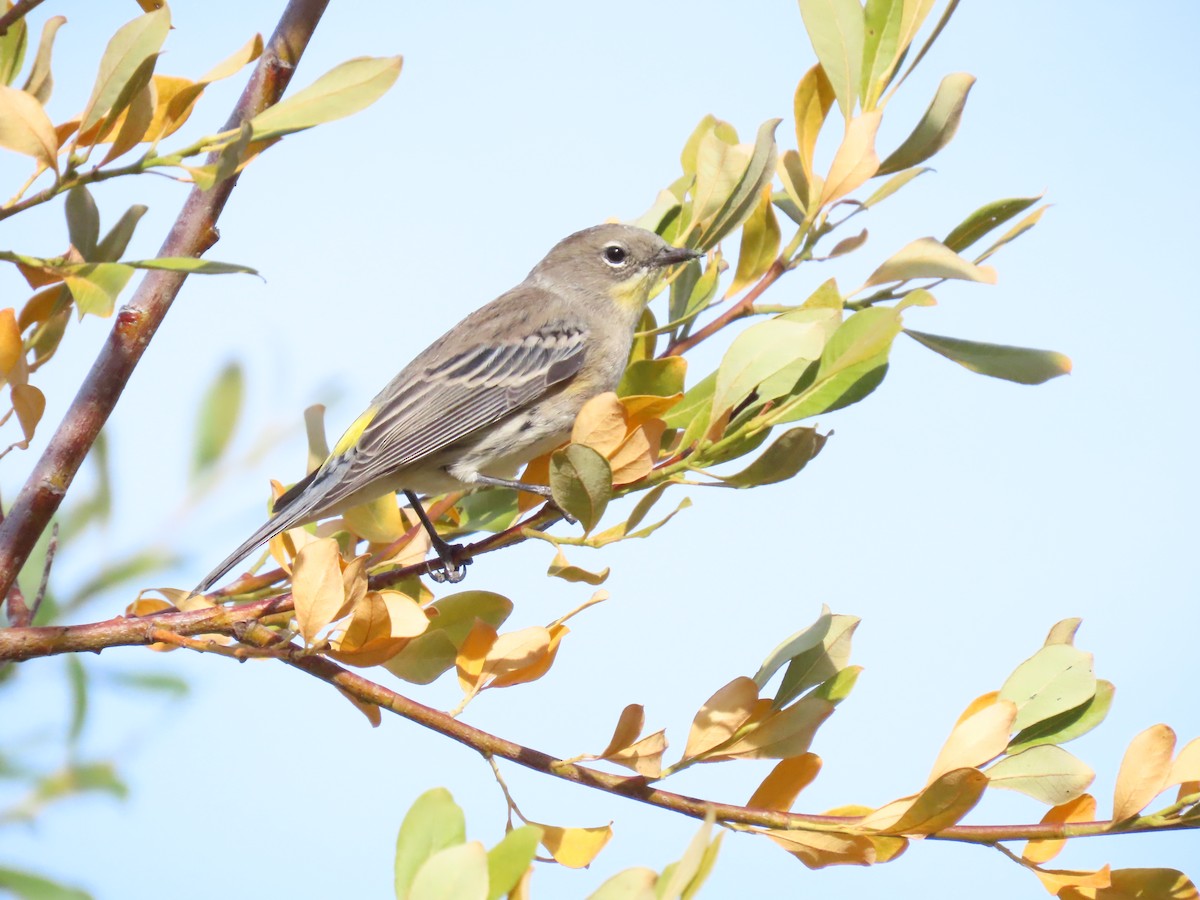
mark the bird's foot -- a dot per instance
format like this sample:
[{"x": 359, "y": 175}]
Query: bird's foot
[{"x": 452, "y": 571}]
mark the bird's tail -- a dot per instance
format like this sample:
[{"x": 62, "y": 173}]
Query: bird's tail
[{"x": 287, "y": 515}]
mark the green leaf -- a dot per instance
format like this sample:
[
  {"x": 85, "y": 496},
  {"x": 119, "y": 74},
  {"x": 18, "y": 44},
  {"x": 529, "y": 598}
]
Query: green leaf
[
  {"x": 218, "y": 415},
  {"x": 693, "y": 412},
  {"x": 117, "y": 571},
  {"x": 581, "y": 482},
  {"x": 1057, "y": 678},
  {"x": 1013, "y": 233},
  {"x": 759, "y": 246},
  {"x": 113, "y": 244},
  {"x": 653, "y": 377},
  {"x": 77, "y": 678},
  {"x": 989, "y": 216},
  {"x": 687, "y": 870},
  {"x": 190, "y": 265},
  {"x": 929, "y": 258},
  {"x": 852, "y": 365},
  {"x": 31, "y": 886},
  {"x": 1020, "y": 364},
  {"x": 155, "y": 682},
  {"x": 83, "y": 221},
  {"x": 456, "y": 873},
  {"x": 79, "y": 779},
  {"x": 1046, "y": 773},
  {"x": 881, "y": 48},
  {"x": 758, "y": 173},
  {"x": 785, "y": 458},
  {"x": 340, "y": 92},
  {"x": 837, "y": 31},
  {"x": 508, "y": 860},
  {"x": 629, "y": 884},
  {"x": 96, "y": 286},
  {"x": 229, "y": 158},
  {"x": 819, "y": 652},
  {"x": 25, "y": 127},
  {"x": 426, "y": 657},
  {"x": 894, "y": 184},
  {"x": 124, "y": 59},
  {"x": 492, "y": 510},
  {"x": 12, "y": 47},
  {"x": 1068, "y": 725},
  {"x": 40, "y": 83},
  {"x": 433, "y": 823},
  {"x": 837, "y": 687},
  {"x": 759, "y": 352},
  {"x": 937, "y": 126},
  {"x": 710, "y": 124}
]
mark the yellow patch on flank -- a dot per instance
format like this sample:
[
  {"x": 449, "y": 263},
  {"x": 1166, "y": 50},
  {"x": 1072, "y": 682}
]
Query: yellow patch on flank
[{"x": 354, "y": 432}]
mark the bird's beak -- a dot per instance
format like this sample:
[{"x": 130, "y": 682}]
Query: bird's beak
[{"x": 673, "y": 255}]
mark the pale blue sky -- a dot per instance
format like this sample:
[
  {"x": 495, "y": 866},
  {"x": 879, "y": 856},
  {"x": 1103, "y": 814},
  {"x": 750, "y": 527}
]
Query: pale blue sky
[{"x": 959, "y": 516}]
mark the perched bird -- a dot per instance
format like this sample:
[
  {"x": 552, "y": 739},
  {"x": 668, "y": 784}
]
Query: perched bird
[{"x": 500, "y": 388}]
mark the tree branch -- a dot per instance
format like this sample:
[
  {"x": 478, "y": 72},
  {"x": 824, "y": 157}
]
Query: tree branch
[
  {"x": 741, "y": 308},
  {"x": 20, "y": 9},
  {"x": 193, "y": 233}
]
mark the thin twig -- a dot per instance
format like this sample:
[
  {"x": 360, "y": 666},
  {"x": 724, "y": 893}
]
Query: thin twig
[
  {"x": 193, "y": 233},
  {"x": 739, "y": 309},
  {"x": 19, "y": 10},
  {"x": 51, "y": 549}
]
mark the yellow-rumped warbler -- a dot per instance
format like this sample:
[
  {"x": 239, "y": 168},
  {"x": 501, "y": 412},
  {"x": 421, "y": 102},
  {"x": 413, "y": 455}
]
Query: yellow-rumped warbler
[{"x": 499, "y": 388}]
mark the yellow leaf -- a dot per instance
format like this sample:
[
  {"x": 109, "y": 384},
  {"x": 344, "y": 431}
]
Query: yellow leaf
[
  {"x": 811, "y": 104},
  {"x": 644, "y": 757},
  {"x": 855, "y": 161},
  {"x": 817, "y": 849},
  {"x": 560, "y": 567},
  {"x": 574, "y": 848},
  {"x": 1144, "y": 770},
  {"x": 1081, "y": 809},
  {"x": 780, "y": 789},
  {"x": 1136, "y": 884},
  {"x": 25, "y": 127},
  {"x": 759, "y": 246},
  {"x": 979, "y": 738},
  {"x": 643, "y": 407},
  {"x": 147, "y": 606},
  {"x": 600, "y": 424},
  {"x": 378, "y": 521},
  {"x": 929, "y": 258},
  {"x": 629, "y": 726},
  {"x": 471, "y": 655},
  {"x": 29, "y": 403},
  {"x": 721, "y": 716},
  {"x": 132, "y": 125},
  {"x": 317, "y": 588},
  {"x": 11, "y": 346}
]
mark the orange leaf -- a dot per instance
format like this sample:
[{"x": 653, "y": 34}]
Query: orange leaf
[
  {"x": 644, "y": 757},
  {"x": 600, "y": 424},
  {"x": 317, "y": 588},
  {"x": 1081, "y": 809},
  {"x": 780, "y": 789},
  {"x": 637, "y": 454},
  {"x": 12, "y": 348},
  {"x": 1061, "y": 881},
  {"x": 855, "y": 160},
  {"x": 537, "y": 658},
  {"x": 30, "y": 404},
  {"x": 472, "y": 653},
  {"x": 817, "y": 849},
  {"x": 629, "y": 725}
]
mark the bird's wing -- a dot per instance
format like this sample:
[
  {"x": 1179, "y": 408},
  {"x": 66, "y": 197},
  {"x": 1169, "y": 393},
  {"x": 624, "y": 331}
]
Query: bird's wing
[{"x": 446, "y": 401}]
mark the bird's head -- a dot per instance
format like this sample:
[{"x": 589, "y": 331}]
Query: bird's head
[{"x": 620, "y": 261}]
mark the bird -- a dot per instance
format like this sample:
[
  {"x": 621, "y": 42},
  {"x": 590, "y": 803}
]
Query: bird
[{"x": 500, "y": 388}]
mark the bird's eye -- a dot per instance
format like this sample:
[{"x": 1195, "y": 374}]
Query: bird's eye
[{"x": 615, "y": 255}]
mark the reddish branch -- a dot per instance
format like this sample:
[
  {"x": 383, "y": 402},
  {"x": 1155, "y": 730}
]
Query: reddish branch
[
  {"x": 20, "y": 9},
  {"x": 739, "y": 309},
  {"x": 243, "y": 622},
  {"x": 193, "y": 233}
]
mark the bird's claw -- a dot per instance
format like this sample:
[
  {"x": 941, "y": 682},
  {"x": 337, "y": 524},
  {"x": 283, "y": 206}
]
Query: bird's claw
[{"x": 452, "y": 571}]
